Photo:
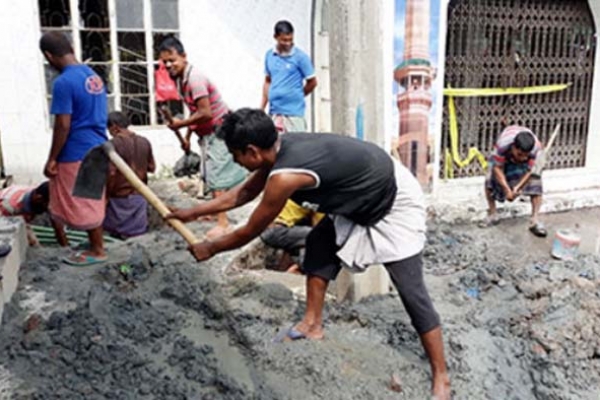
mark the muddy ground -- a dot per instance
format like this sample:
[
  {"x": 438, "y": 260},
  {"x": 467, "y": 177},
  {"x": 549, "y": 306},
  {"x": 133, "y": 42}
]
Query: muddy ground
[{"x": 518, "y": 325}]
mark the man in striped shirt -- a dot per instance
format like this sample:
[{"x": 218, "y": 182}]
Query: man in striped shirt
[
  {"x": 207, "y": 110},
  {"x": 510, "y": 174}
]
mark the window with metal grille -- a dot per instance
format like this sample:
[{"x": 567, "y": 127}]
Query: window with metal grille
[
  {"x": 520, "y": 43},
  {"x": 119, "y": 40}
]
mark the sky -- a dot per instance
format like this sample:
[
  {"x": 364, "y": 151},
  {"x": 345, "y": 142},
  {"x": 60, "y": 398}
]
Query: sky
[{"x": 400, "y": 9}]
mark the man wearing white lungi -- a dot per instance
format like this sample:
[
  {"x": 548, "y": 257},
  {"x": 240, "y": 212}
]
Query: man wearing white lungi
[{"x": 375, "y": 215}]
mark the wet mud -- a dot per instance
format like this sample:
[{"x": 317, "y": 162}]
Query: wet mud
[{"x": 154, "y": 324}]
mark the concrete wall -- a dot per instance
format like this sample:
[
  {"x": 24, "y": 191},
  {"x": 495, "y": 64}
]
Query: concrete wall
[
  {"x": 226, "y": 39},
  {"x": 321, "y": 99},
  {"x": 23, "y": 111},
  {"x": 12, "y": 232},
  {"x": 359, "y": 76},
  {"x": 358, "y": 67}
]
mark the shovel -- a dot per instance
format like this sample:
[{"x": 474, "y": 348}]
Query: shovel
[
  {"x": 166, "y": 113},
  {"x": 164, "y": 110},
  {"x": 540, "y": 161},
  {"x": 91, "y": 181}
]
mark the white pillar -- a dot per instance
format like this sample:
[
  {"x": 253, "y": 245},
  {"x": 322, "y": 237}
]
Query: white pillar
[
  {"x": 359, "y": 75},
  {"x": 592, "y": 161},
  {"x": 438, "y": 82}
]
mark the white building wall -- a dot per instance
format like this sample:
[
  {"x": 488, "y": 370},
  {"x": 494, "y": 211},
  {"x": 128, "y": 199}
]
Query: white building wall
[
  {"x": 226, "y": 39},
  {"x": 23, "y": 111}
]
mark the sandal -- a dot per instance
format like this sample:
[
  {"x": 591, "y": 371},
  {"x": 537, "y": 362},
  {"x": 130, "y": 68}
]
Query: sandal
[
  {"x": 5, "y": 249},
  {"x": 488, "y": 221},
  {"x": 538, "y": 229},
  {"x": 289, "y": 335},
  {"x": 80, "y": 259}
]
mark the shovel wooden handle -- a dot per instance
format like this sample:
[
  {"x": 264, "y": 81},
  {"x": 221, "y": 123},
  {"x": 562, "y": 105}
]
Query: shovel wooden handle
[
  {"x": 169, "y": 117},
  {"x": 148, "y": 194}
]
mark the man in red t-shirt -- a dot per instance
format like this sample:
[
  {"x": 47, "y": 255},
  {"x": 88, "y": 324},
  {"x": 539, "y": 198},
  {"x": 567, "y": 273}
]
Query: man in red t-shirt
[{"x": 207, "y": 110}]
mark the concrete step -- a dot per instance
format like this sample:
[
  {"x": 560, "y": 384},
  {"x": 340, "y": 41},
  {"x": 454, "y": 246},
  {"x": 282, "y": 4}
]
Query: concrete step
[{"x": 12, "y": 232}]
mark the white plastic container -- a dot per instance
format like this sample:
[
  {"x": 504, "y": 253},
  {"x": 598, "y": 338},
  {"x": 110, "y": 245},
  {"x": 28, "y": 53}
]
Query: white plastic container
[{"x": 565, "y": 245}]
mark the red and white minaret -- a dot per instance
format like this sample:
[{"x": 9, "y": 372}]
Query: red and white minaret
[{"x": 414, "y": 75}]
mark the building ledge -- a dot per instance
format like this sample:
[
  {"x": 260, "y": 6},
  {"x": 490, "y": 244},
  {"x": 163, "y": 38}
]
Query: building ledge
[
  {"x": 463, "y": 200},
  {"x": 12, "y": 231}
]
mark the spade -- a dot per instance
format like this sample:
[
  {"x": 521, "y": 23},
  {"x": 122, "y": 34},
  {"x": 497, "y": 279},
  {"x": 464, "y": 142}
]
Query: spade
[{"x": 91, "y": 181}]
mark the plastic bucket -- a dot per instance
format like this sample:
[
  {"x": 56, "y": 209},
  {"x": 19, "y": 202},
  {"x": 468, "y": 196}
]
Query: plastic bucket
[{"x": 565, "y": 245}]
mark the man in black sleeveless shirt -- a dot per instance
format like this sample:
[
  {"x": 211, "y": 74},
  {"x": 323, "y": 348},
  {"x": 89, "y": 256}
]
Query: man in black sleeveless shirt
[{"x": 375, "y": 215}]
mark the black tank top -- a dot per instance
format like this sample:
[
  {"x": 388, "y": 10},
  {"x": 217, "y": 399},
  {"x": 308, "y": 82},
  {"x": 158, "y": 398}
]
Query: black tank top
[{"x": 354, "y": 178}]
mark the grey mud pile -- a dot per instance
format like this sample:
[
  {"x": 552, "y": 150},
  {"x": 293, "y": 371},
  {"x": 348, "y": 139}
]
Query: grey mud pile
[
  {"x": 153, "y": 324},
  {"x": 517, "y": 327}
]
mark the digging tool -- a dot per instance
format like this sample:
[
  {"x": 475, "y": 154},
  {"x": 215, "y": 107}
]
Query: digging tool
[
  {"x": 540, "y": 161},
  {"x": 91, "y": 181},
  {"x": 169, "y": 118}
]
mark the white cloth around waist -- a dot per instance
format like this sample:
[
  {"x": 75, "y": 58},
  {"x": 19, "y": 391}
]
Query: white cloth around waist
[{"x": 399, "y": 235}]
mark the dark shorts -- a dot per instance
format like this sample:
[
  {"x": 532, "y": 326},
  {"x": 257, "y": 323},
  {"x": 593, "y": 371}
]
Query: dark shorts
[
  {"x": 513, "y": 173},
  {"x": 290, "y": 239},
  {"x": 407, "y": 275}
]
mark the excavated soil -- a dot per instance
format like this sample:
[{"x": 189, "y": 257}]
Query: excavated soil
[{"x": 154, "y": 324}]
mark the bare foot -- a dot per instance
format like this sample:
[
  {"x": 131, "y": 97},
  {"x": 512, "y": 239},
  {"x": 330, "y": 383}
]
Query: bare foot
[
  {"x": 294, "y": 269},
  {"x": 490, "y": 220},
  {"x": 189, "y": 186},
  {"x": 217, "y": 231},
  {"x": 283, "y": 263},
  {"x": 182, "y": 185},
  {"x": 441, "y": 387},
  {"x": 312, "y": 332}
]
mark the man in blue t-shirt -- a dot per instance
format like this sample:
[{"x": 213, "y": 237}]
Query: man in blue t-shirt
[
  {"x": 286, "y": 70},
  {"x": 80, "y": 110}
]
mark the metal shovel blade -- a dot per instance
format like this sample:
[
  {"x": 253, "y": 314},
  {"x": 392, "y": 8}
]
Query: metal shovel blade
[{"x": 91, "y": 178}]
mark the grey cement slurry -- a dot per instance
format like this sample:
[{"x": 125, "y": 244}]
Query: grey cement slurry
[{"x": 517, "y": 325}]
